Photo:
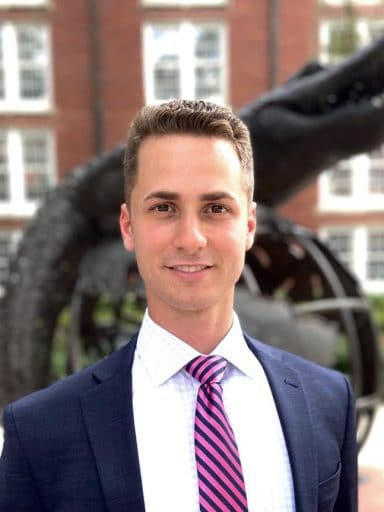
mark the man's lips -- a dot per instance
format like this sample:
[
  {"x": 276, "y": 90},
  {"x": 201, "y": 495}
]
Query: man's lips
[{"x": 189, "y": 268}]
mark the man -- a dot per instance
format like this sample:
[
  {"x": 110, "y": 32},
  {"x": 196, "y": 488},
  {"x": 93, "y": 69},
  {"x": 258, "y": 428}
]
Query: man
[{"x": 159, "y": 425}]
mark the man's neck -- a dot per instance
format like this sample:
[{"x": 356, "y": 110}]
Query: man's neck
[{"x": 201, "y": 331}]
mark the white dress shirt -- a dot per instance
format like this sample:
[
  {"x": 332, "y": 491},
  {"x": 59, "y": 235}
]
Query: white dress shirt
[{"x": 164, "y": 397}]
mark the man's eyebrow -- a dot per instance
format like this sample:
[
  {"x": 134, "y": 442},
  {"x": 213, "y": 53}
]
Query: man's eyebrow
[
  {"x": 217, "y": 196},
  {"x": 173, "y": 196},
  {"x": 162, "y": 194}
]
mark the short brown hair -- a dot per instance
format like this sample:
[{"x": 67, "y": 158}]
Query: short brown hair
[{"x": 189, "y": 117}]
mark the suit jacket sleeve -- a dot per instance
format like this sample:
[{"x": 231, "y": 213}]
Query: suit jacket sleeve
[{"x": 17, "y": 488}]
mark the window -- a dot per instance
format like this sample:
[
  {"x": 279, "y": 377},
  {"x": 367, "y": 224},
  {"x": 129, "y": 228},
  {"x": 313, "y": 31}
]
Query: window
[
  {"x": 340, "y": 180},
  {"x": 36, "y": 165},
  {"x": 185, "y": 60},
  {"x": 361, "y": 249},
  {"x": 340, "y": 243},
  {"x": 340, "y": 37},
  {"x": 355, "y": 185},
  {"x": 355, "y": 2},
  {"x": 4, "y": 176},
  {"x": 24, "y": 64},
  {"x": 376, "y": 172},
  {"x": 8, "y": 245},
  {"x": 23, "y": 3},
  {"x": 183, "y": 3},
  {"x": 376, "y": 179},
  {"x": 26, "y": 170},
  {"x": 375, "y": 260}
]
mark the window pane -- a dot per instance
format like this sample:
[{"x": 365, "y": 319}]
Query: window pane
[
  {"x": 4, "y": 175},
  {"x": 187, "y": 3},
  {"x": 208, "y": 77},
  {"x": 344, "y": 39},
  {"x": 32, "y": 54},
  {"x": 36, "y": 165},
  {"x": 30, "y": 41},
  {"x": 21, "y": 3},
  {"x": 32, "y": 83},
  {"x": 166, "y": 70},
  {"x": 340, "y": 243},
  {"x": 208, "y": 82},
  {"x": 376, "y": 179},
  {"x": 375, "y": 263},
  {"x": 167, "y": 78},
  {"x": 356, "y": 2},
  {"x": 340, "y": 181},
  {"x": 208, "y": 44},
  {"x": 2, "y": 91}
]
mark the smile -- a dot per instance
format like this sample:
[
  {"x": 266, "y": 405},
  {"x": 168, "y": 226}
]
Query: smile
[{"x": 189, "y": 268}]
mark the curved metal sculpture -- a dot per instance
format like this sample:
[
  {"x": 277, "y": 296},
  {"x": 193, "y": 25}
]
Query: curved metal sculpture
[
  {"x": 320, "y": 116},
  {"x": 317, "y": 118}
]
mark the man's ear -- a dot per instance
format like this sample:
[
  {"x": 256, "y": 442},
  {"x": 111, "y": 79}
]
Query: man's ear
[
  {"x": 126, "y": 228},
  {"x": 251, "y": 225}
]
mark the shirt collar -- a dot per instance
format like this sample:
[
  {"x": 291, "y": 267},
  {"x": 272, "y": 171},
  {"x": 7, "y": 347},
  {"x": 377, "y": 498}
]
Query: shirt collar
[{"x": 163, "y": 354}]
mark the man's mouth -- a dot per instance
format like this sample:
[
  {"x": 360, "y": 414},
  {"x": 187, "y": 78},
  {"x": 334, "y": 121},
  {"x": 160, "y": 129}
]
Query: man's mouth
[{"x": 189, "y": 268}]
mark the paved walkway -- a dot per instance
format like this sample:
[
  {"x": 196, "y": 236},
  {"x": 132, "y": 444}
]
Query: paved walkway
[{"x": 371, "y": 468}]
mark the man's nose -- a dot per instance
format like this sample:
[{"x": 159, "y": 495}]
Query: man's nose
[{"x": 190, "y": 235}]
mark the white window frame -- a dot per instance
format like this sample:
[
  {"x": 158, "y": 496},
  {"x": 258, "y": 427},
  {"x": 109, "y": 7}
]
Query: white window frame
[
  {"x": 376, "y": 161},
  {"x": 355, "y": 2},
  {"x": 360, "y": 200},
  {"x": 184, "y": 3},
  {"x": 23, "y": 3},
  {"x": 369, "y": 231},
  {"x": 18, "y": 205},
  {"x": 326, "y": 234},
  {"x": 362, "y": 28},
  {"x": 13, "y": 102},
  {"x": 186, "y": 58},
  {"x": 359, "y": 235}
]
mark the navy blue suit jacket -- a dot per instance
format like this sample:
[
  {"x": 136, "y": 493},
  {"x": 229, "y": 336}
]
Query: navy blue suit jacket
[{"x": 72, "y": 446}]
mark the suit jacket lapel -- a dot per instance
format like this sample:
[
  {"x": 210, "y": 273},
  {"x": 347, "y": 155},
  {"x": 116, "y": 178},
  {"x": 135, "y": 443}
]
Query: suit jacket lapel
[
  {"x": 292, "y": 408},
  {"x": 108, "y": 415}
]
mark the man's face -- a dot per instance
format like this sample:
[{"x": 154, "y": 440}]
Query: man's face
[{"x": 189, "y": 223}]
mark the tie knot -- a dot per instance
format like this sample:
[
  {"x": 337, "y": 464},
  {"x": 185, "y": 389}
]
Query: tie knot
[{"x": 207, "y": 369}]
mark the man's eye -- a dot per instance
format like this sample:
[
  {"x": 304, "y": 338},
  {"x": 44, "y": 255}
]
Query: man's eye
[
  {"x": 162, "y": 208},
  {"x": 217, "y": 208}
]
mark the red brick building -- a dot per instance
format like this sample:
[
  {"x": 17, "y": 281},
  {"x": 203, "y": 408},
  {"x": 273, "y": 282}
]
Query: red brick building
[
  {"x": 346, "y": 205},
  {"x": 74, "y": 72}
]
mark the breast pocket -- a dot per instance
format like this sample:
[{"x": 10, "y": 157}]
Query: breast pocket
[{"x": 328, "y": 491}]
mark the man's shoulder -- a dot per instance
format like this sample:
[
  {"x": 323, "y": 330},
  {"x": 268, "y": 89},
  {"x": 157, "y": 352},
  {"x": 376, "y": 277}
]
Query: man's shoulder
[
  {"x": 66, "y": 392},
  {"x": 305, "y": 368},
  {"x": 324, "y": 389}
]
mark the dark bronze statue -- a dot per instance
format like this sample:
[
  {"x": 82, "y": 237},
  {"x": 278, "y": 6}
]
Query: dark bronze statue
[
  {"x": 317, "y": 118},
  {"x": 70, "y": 252}
]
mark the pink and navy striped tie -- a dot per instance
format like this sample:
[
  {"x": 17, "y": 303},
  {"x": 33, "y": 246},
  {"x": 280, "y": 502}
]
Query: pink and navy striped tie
[{"x": 221, "y": 483}]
